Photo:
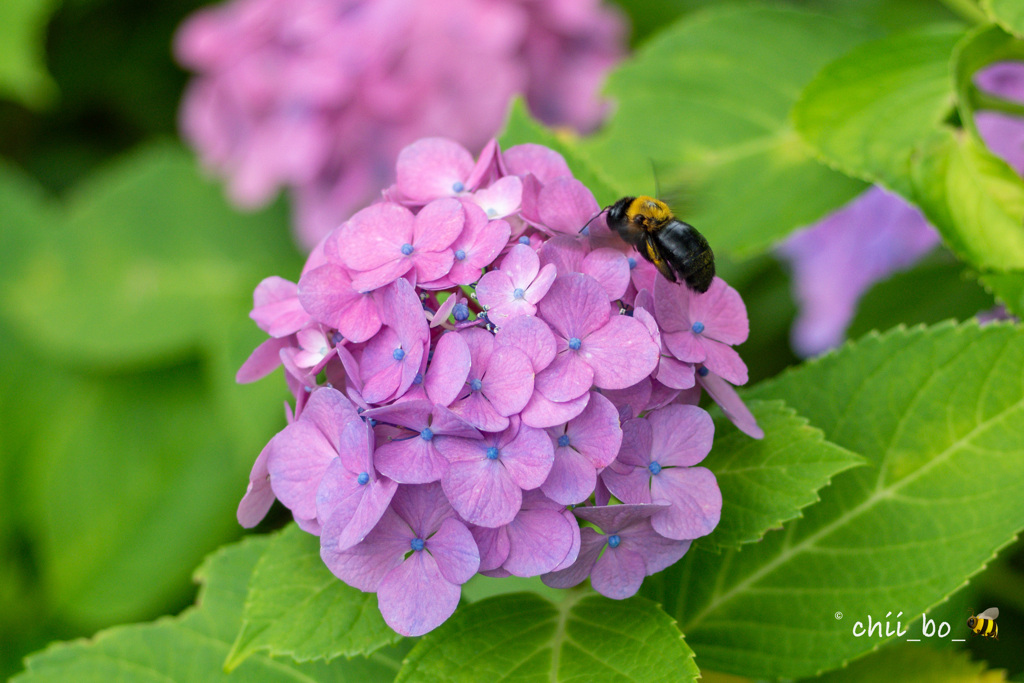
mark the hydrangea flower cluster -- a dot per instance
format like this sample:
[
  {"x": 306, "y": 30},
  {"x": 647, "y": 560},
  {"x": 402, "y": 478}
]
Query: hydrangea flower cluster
[
  {"x": 475, "y": 379},
  {"x": 836, "y": 260},
  {"x": 319, "y": 96}
]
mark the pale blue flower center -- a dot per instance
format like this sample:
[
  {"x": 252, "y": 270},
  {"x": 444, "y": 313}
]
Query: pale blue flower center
[
  {"x": 654, "y": 468},
  {"x": 398, "y": 354},
  {"x": 632, "y": 262},
  {"x": 426, "y": 434},
  {"x": 461, "y": 312},
  {"x": 614, "y": 541},
  {"x": 363, "y": 478},
  {"x": 703, "y": 372},
  {"x": 519, "y": 293},
  {"x": 406, "y": 248},
  {"x": 492, "y": 453},
  {"x": 418, "y": 379},
  {"x": 460, "y": 254},
  {"x": 416, "y": 544},
  {"x": 575, "y": 343},
  {"x": 524, "y": 240},
  {"x": 475, "y": 384},
  {"x": 492, "y": 212},
  {"x": 563, "y": 440},
  {"x": 698, "y": 327},
  {"x": 457, "y": 186}
]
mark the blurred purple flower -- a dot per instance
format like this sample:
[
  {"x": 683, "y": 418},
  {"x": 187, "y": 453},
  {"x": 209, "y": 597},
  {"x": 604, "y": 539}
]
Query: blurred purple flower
[
  {"x": 655, "y": 465},
  {"x": 1003, "y": 134},
  {"x": 319, "y": 96},
  {"x": 618, "y": 557},
  {"x": 416, "y": 560}
]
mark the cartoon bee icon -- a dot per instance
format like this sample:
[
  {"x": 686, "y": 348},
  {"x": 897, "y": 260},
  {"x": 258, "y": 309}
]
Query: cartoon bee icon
[
  {"x": 675, "y": 248},
  {"x": 985, "y": 623}
]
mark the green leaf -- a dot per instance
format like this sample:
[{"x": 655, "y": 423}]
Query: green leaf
[
  {"x": 192, "y": 646},
  {"x": 915, "y": 664},
  {"x": 297, "y": 607},
  {"x": 1009, "y": 287},
  {"x": 767, "y": 482},
  {"x": 147, "y": 256},
  {"x": 522, "y": 128},
  {"x": 981, "y": 47},
  {"x": 585, "y": 637},
  {"x": 23, "y": 75},
  {"x": 877, "y": 113},
  {"x": 1007, "y": 13},
  {"x": 708, "y": 102},
  {"x": 132, "y": 485},
  {"x": 939, "y": 415},
  {"x": 869, "y": 111}
]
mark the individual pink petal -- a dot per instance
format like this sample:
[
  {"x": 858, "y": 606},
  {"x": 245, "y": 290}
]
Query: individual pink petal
[
  {"x": 486, "y": 165},
  {"x": 670, "y": 306},
  {"x": 444, "y": 310},
  {"x": 675, "y": 373},
  {"x": 681, "y": 435},
  {"x": 431, "y": 168},
  {"x": 618, "y": 573},
  {"x": 276, "y": 308},
  {"x": 508, "y": 381},
  {"x": 610, "y": 268},
  {"x": 565, "y": 252},
  {"x": 572, "y": 477},
  {"x": 696, "y": 502},
  {"x": 258, "y": 495},
  {"x": 538, "y": 289},
  {"x": 530, "y": 335},
  {"x": 431, "y": 265},
  {"x": 410, "y": 461},
  {"x": 364, "y": 565},
  {"x": 591, "y": 545},
  {"x": 438, "y": 224},
  {"x": 725, "y": 361},
  {"x": 565, "y": 205},
  {"x": 528, "y": 457},
  {"x": 448, "y": 370},
  {"x": 541, "y": 161},
  {"x": 539, "y": 541},
  {"x": 632, "y": 488},
  {"x": 730, "y": 402},
  {"x": 721, "y": 311},
  {"x": 329, "y": 296},
  {"x": 298, "y": 458},
  {"x": 621, "y": 353},
  {"x": 501, "y": 199},
  {"x": 637, "y": 437},
  {"x": 479, "y": 243},
  {"x": 478, "y": 411},
  {"x": 414, "y": 598},
  {"x": 369, "y": 280},
  {"x": 493, "y": 545},
  {"x": 632, "y": 400},
  {"x": 685, "y": 346},
  {"x": 569, "y": 376},
  {"x": 541, "y": 412},
  {"x": 264, "y": 359},
  {"x": 575, "y": 306},
  {"x": 482, "y": 492},
  {"x": 374, "y": 236},
  {"x": 521, "y": 264},
  {"x": 596, "y": 432},
  {"x": 455, "y": 551}
]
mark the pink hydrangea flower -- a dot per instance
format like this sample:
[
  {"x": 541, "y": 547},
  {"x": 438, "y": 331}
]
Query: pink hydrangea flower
[
  {"x": 436, "y": 410},
  {"x": 319, "y": 96}
]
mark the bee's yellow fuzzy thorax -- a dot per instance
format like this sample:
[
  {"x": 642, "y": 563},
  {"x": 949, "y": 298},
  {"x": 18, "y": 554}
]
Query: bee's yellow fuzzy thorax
[{"x": 655, "y": 210}]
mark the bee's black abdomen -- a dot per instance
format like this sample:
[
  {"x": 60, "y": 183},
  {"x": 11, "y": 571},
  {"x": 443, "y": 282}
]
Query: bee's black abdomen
[{"x": 688, "y": 253}]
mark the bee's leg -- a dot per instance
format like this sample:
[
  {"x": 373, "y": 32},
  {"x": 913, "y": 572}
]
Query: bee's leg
[{"x": 651, "y": 252}]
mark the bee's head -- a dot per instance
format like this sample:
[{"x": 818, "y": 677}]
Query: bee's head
[
  {"x": 971, "y": 622},
  {"x": 617, "y": 211}
]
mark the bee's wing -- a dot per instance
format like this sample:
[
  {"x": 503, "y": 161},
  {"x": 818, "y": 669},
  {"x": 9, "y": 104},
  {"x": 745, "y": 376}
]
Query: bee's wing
[{"x": 990, "y": 613}]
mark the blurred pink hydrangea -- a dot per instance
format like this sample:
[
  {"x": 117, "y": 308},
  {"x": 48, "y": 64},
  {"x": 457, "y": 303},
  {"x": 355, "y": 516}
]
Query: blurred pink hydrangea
[
  {"x": 319, "y": 96},
  {"x": 836, "y": 260},
  {"x": 480, "y": 415}
]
